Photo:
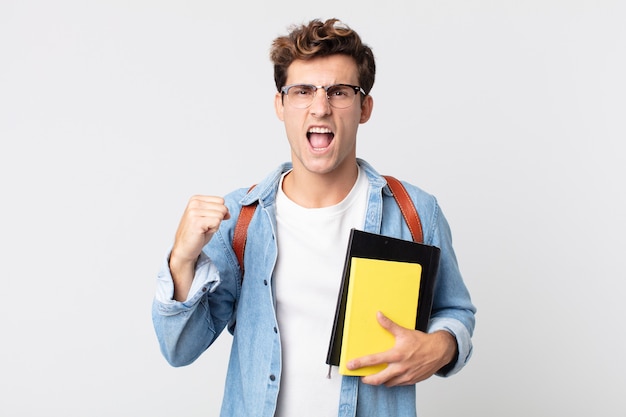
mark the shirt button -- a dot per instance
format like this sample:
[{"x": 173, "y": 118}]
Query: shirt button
[
  {"x": 275, "y": 329},
  {"x": 272, "y": 377},
  {"x": 203, "y": 289},
  {"x": 265, "y": 281}
]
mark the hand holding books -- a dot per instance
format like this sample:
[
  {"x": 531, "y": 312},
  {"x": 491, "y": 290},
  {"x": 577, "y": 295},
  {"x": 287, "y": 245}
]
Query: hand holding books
[
  {"x": 380, "y": 273},
  {"x": 415, "y": 356}
]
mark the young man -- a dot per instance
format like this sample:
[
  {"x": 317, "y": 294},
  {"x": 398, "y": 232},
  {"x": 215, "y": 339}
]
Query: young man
[{"x": 281, "y": 313}]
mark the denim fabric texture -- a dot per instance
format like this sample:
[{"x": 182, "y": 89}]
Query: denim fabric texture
[{"x": 219, "y": 299}]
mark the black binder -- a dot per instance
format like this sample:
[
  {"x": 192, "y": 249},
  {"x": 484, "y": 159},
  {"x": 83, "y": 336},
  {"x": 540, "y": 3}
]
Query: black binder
[{"x": 374, "y": 246}]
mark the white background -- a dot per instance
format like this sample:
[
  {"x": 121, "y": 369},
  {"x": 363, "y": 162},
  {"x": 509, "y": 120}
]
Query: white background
[{"x": 112, "y": 113}]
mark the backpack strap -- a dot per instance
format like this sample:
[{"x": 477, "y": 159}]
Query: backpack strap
[
  {"x": 241, "y": 230},
  {"x": 407, "y": 208},
  {"x": 411, "y": 217}
]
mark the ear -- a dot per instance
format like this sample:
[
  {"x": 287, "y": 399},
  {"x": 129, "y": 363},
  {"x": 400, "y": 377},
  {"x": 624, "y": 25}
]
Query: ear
[
  {"x": 366, "y": 108},
  {"x": 279, "y": 106}
]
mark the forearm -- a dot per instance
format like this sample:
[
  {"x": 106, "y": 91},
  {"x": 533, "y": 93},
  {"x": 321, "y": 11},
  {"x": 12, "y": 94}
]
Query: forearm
[
  {"x": 182, "y": 272},
  {"x": 461, "y": 336},
  {"x": 448, "y": 349}
]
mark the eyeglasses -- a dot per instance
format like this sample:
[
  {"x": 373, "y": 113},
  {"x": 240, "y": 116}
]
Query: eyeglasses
[{"x": 340, "y": 96}]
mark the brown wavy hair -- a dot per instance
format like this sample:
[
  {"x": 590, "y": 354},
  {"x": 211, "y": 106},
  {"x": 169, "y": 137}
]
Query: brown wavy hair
[{"x": 317, "y": 39}]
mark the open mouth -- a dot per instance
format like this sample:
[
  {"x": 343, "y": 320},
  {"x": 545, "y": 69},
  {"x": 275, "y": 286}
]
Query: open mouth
[{"x": 320, "y": 138}]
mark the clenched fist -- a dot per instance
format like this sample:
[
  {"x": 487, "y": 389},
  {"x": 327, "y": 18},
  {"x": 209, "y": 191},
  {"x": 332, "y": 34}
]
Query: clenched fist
[{"x": 201, "y": 219}]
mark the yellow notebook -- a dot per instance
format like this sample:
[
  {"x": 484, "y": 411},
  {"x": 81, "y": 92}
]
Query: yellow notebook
[{"x": 390, "y": 287}]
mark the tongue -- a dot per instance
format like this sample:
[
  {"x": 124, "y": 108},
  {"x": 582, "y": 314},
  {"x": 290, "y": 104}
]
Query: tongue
[{"x": 320, "y": 140}]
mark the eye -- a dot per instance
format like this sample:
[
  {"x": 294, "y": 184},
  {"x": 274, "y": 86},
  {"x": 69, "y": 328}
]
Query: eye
[
  {"x": 302, "y": 90},
  {"x": 340, "y": 91}
]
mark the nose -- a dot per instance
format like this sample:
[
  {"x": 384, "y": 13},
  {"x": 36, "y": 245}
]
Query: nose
[{"x": 320, "y": 106}]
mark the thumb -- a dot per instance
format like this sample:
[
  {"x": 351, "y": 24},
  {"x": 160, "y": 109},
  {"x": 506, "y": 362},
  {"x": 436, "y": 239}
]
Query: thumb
[{"x": 387, "y": 323}]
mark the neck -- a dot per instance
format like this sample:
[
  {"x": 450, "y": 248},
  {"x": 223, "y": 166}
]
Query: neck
[{"x": 314, "y": 190}]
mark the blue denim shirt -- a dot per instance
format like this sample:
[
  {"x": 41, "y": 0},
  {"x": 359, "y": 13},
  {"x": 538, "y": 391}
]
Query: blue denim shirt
[{"x": 219, "y": 299}]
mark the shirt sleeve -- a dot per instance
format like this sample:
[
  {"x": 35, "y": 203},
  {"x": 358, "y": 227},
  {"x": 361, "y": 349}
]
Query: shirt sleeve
[
  {"x": 186, "y": 329},
  {"x": 206, "y": 278},
  {"x": 463, "y": 341},
  {"x": 453, "y": 310}
]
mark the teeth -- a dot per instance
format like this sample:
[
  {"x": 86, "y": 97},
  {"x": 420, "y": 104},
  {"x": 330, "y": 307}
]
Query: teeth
[{"x": 319, "y": 130}]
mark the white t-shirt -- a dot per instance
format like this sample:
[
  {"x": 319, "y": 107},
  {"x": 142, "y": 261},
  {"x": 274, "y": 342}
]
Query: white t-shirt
[{"x": 312, "y": 246}]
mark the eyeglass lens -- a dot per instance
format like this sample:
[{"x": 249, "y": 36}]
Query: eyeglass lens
[{"x": 339, "y": 96}]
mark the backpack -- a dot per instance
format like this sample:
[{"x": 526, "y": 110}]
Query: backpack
[{"x": 407, "y": 208}]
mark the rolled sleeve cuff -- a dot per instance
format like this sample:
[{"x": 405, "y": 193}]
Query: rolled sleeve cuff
[
  {"x": 463, "y": 340},
  {"x": 206, "y": 278}
]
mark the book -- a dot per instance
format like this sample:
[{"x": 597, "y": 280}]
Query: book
[
  {"x": 390, "y": 287},
  {"x": 381, "y": 273}
]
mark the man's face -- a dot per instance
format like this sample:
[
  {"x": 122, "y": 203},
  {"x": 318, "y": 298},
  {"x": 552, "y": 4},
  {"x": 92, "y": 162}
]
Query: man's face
[{"x": 323, "y": 138}]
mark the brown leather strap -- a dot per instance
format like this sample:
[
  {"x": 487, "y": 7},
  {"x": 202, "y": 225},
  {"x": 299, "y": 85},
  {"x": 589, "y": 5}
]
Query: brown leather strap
[
  {"x": 241, "y": 231},
  {"x": 406, "y": 207}
]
